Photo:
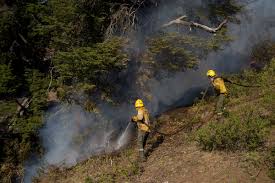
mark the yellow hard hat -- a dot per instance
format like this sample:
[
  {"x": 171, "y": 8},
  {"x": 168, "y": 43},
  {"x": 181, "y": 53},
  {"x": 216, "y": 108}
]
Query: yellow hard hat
[
  {"x": 211, "y": 73},
  {"x": 139, "y": 103}
]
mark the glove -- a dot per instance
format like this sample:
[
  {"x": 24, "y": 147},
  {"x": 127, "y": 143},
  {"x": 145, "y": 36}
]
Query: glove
[{"x": 133, "y": 119}]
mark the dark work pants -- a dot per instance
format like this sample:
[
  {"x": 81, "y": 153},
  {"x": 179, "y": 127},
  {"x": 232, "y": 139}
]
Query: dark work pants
[
  {"x": 142, "y": 138},
  {"x": 220, "y": 103}
]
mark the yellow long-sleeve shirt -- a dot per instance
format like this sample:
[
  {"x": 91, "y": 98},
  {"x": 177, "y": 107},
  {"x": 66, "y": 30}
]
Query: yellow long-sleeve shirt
[
  {"x": 219, "y": 86},
  {"x": 142, "y": 119}
]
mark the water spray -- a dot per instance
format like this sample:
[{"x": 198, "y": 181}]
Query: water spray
[{"x": 124, "y": 138}]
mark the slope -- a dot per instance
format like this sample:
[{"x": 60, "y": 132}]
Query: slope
[{"x": 180, "y": 157}]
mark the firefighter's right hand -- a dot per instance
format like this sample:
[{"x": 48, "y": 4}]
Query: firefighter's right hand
[{"x": 133, "y": 119}]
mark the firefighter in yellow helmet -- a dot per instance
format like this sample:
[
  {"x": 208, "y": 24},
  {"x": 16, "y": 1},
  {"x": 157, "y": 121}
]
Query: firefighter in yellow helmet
[
  {"x": 143, "y": 123},
  {"x": 220, "y": 88}
]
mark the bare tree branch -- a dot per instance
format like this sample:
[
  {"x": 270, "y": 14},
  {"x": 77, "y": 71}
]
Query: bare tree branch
[
  {"x": 22, "y": 38},
  {"x": 50, "y": 84},
  {"x": 124, "y": 19},
  {"x": 194, "y": 24},
  {"x": 177, "y": 21},
  {"x": 206, "y": 28},
  {"x": 22, "y": 106}
]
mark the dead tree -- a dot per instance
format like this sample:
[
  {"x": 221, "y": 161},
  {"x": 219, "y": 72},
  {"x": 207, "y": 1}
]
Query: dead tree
[{"x": 190, "y": 24}]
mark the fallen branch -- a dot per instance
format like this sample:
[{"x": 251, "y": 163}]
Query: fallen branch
[
  {"x": 22, "y": 38},
  {"x": 50, "y": 84},
  {"x": 194, "y": 24},
  {"x": 22, "y": 106}
]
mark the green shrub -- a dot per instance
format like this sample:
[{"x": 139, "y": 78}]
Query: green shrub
[
  {"x": 105, "y": 178},
  {"x": 7, "y": 80},
  {"x": 234, "y": 134},
  {"x": 89, "y": 180},
  {"x": 263, "y": 52},
  {"x": 131, "y": 169}
]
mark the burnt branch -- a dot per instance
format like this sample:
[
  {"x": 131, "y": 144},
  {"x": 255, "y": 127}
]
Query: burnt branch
[{"x": 190, "y": 24}]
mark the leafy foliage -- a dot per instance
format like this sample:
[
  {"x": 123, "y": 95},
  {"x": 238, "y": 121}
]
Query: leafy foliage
[
  {"x": 88, "y": 64},
  {"x": 234, "y": 134},
  {"x": 6, "y": 80},
  {"x": 175, "y": 51},
  {"x": 263, "y": 52},
  {"x": 223, "y": 9}
]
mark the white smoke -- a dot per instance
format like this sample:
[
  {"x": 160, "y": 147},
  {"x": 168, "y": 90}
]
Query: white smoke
[
  {"x": 257, "y": 23},
  {"x": 72, "y": 134}
]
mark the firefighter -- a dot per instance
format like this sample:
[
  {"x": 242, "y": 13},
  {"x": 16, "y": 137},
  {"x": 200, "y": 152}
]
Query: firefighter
[
  {"x": 143, "y": 123},
  {"x": 220, "y": 88}
]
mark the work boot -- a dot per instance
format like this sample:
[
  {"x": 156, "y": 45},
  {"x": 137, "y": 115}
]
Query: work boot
[
  {"x": 219, "y": 116},
  {"x": 142, "y": 159}
]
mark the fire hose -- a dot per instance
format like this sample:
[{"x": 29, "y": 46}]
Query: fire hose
[
  {"x": 239, "y": 84},
  {"x": 243, "y": 85},
  {"x": 153, "y": 129}
]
